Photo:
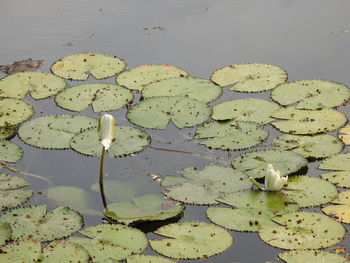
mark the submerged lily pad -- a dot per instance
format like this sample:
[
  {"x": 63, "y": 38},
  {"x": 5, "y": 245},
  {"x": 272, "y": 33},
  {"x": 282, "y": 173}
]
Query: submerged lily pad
[
  {"x": 255, "y": 163},
  {"x": 338, "y": 178},
  {"x": 341, "y": 211},
  {"x": 79, "y": 66},
  {"x": 155, "y": 113},
  {"x": 39, "y": 84},
  {"x": 147, "y": 259},
  {"x": 311, "y": 94},
  {"x": 13, "y": 111},
  {"x": 54, "y": 131},
  {"x": 252, "y": 77},
  {"x": 10, "y": 152},
  {"x": 191, "y": 240},
  {"x": 138, "y": 77},
  {"x": 102, "y": 97},
  {"x": 5, "y": 233},
  {"x": 311, "y": 256},
  {"x": 24, "y": 252},
  {"x": 337, "y": 162},
  {"x": 248, "y": 109},
  {"x": 230, "y": 135}
]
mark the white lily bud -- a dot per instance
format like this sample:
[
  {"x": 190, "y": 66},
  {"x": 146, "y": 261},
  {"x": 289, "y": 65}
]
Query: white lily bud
[
  {"x": 106, "y": 130},
  {"x": 273, "y": 179}
]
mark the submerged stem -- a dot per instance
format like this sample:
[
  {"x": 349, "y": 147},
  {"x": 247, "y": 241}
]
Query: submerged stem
[{"x": 101, "y": 178}]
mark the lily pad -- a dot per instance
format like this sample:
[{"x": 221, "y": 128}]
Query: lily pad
[
  {"x": 111, "y": 243},
  {"x": 337, "y": 162},
  {"x": 251, "y": 77},
  {"x": 79, "y": 66},
  {"x": 54, "y": 131},
  {"x": 39, "y": 84},
  {"x": 317, "y": 146},
  {"x": 127, "y": 140},
  {"x": 10, "y": 152},
  {"x": 248, "y": 109},
  {"x": 344, "y": 134},
  {"x": 155, "y": 113},
  {"x": 102, "y": 97},
  {"x": 254, "y": 163},
  {"x": 24, "y": 252},
  {"x": 5, "y": 233},
  {"x": 311, "y": 256},
  {"x": 138, "y": 77},
  {"x": 297, "y": 121},
  {"x": 196, "y": 88},
  {"x": 147, "y": 259},
  {"x": 302, "y": 230},
  {"x": 191, "y": 240},
  {"x": 64, "y": 252},
  {"x": 13, "y": 111},
  {"x": 230, "y": 135},
  {"x": 35, "y": 223},
  {"x": 338, "y": 178},
  {"x": 8, "y": 131},
  {"x": 341, "y": 211},
  {"x": 311, "y": 94}
]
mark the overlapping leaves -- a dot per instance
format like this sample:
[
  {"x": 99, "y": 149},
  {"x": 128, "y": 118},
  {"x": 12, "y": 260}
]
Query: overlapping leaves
[{"x": 340, "y": 211}]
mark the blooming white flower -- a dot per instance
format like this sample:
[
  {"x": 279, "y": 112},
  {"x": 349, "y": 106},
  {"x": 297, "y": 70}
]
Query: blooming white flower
[
  {"x": 273, "y": 179},
  {"x": 106, "y": 130}
]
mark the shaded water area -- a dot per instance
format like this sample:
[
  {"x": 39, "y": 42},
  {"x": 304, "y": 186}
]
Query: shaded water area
[{"x": 309, "y": 39}]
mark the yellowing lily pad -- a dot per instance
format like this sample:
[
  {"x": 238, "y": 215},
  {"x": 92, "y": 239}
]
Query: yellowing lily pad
[
  {"x": 341, "y": 211},
  {"x": 344, "y": 134},
  {"x": 311, "y": 256}
]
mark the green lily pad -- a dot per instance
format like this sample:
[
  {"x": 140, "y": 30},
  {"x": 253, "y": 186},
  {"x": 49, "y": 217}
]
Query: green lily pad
[
  {"x": 102, "y": 97},
  {"x": 302, "y": 230},
  {"x": 196, "y": 88},
  {"x": 10, "y": 152},
  {"x": 79, "y": 66},
  {"x": 338, "y": 178},
  {"x": 39, "y": 84},
  {"x": 248, "y": 109},
  {"x": 191, "y": 240},
  {"x": 155, "y": 113},
  {"x": 64, "y": 252},
  {"x": 24, "y": 252},
  {"x": 252, "y": 77},
  {"x": 255, "y": 163},
  {"x": 138, "y": 77},
  {"x": 8, "y": 131},
  {"x": 311, "y": 94},
  {"x": 35, "y": 223},
  {"x": 54, "y": 131},
  {"x": 230, "y": 135},
  {"x": 317, "y": 146},
  {"x": 205, "y": 186},
  {"x": 110, "y": 243},
  {"x": 311, "y": 256},
  {"x": 144, "y": 208},
  {"x": 297, "y": 121},
  {"x": 337, "y": 162},
  {"x": 13, "y": 111},
  {"x": 127, "y": 140},
  {"x": 5, "y": 233},
  {"x": 147, "y": 259},
  {"x": 341, "y": 211}
]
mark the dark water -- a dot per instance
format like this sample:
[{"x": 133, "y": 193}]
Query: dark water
[{"x": 309, "y": 39}]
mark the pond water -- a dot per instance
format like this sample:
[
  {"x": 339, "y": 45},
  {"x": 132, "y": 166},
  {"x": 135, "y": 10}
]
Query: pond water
[{"x": 309, "y": 39}]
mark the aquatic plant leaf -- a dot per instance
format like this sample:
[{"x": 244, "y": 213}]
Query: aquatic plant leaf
[
  {"x": 102, "y": 97},
  {"x": 127, "y": 140},
  {"x": 24, "y": 252},
  {"x": 337, "y": 162},
  {"x": 248, "y": 109},
  {"x": 344, "y": 134},
  {"x": 338, "y": 178},
  {"x": 33, "y": 222},
  {"x": 144, "y": 208},
  {"x": 311, "y": 94},
  {"x": 13, "y": 111},
  {"x": 8, "y": 131},
  {"x": 191, "y": 240},
  {"x": 155, "y": 113},
  {"x": 230, "y": 135},
  {"x": 5, "y": 233},
  {"x": 251, "y": 77},
  {"x": 341, "y": 211},
  {"x": 39, "y": 84},
  {"x": 309, "y": 256},
  {"x": 138, "y": 77},
  {"x": 74, "y": 198},
  {"x": 196, "y": 88},
  {"x": 64, "y": 252},
  {"x": 147, "y": 259},
  {"x": 317, "y": 146},
  {"x": 23, "y": 65},
  {"x": 54, "y": 131},
  {"x": 302, "y": 230},
  {"x": 254, "y": 163},
  {"x": 110, "y": 243},
  {"x": 10, "y": 152},
  {"x": 79, "y": 66},
  {"x": 297, "y": 121}
]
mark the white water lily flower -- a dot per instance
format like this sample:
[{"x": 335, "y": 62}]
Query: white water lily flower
[
  {"x": 106, "y": 130},
  {"x": 273, "y": 179}
]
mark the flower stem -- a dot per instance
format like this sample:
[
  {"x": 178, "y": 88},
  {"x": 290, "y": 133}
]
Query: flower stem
[
  {"x": 101, "y": 178},
  {"x": 255, "y": 182}
]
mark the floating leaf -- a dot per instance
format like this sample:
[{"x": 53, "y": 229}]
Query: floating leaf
[
  {"x": 5, "y": 233},
  {"x": 138, "y": 77},
  {"x": 23, "y": 65},
  {"x": 205, "y": 186},
  {"x": 127, "y": 140},
  {"x": 302, "y": 230},
  {"x": 248, "y": 109},
  {"x": 297, "y": 121},
  {"x": 311, "y": 94},
  {"x": 344, "y": 134},
  {"x": 102, "y": 97},
  {"x": 79, "y": 66},
  {"x": 339, "y": 178},
  {"x": 337, "y": 162},
  {"x": 34, "y": 223},
  {"x": 54, "y": 131},
  {"x": 230, "y": 135},
  {"x": 64, "y": 252},
  {"x": 110, "y": 243},
  {"x": 310, "y": 256},
  {"x": 7, "y": 131},
  {"x": 24, "y": 252},
  {"x": 252, "y": 77},
  {"x": 13, "y": 111},
  {"x": 147, "y": 259},
  {"x": 40, "y": 85},
  {"x": 155, "y": 113},
  {"x": 10, "y": 152},
  {"x": 341, "y": 211},
  {"x": 191, "y": 240},
  {"x": 196, "y": 88},
  {"x": 317, "y": 146},
  {"x": 255, "y": 163}
]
